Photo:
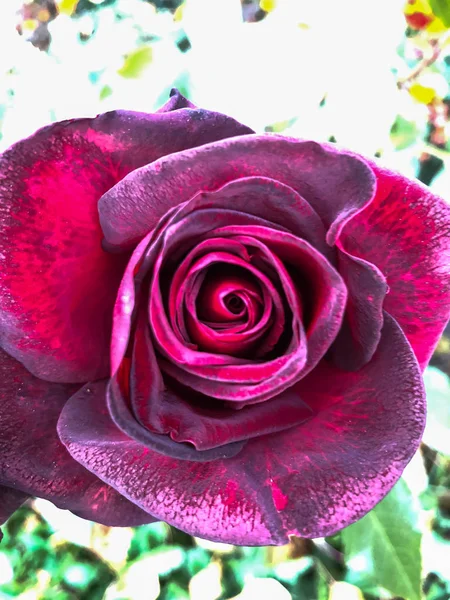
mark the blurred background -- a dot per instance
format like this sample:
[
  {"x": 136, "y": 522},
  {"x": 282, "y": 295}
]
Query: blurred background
[{"x": 371, "y": 75}]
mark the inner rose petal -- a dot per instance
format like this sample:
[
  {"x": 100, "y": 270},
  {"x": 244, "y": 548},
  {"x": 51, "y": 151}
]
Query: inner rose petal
[
  {"x": 237, "y": 337},
  {"x": 169, "y": 344},
  {"x": 206, "y": 288},
  {"x": 329, "y": 296},
  {"x": 224, "y": 376},
  {"x": 179, "y": 285},
  {"x": 229, "y": 294}
]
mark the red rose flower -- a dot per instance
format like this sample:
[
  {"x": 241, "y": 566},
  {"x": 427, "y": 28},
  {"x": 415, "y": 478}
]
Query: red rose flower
[{"x": 215, "y": 328}]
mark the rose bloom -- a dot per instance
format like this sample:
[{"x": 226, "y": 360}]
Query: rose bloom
[{"x": 214, "y": 328}]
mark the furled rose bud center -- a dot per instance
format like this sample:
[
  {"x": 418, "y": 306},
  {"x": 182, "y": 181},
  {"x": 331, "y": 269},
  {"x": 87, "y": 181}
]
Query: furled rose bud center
[
  {"x": 230, "y": 311},
  {"x": 234, "y": 303},
  {"x": 229, "y": 295}
]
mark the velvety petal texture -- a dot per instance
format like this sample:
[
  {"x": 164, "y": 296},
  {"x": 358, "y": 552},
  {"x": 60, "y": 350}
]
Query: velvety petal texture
[
  {"x": 214, "y": 328},
  {"x": 131, "y": 209},
  {"x": 34, "y": 461},
  {"x": 57, "y": 284},
  {"x": 309, "y": 481},
  {"x": 405, "y": 232},
  {"x": 228, "y": 322}
]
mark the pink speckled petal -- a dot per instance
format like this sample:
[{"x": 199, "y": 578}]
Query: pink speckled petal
[
  {"x": 368, "y": 426},
  {"x": 33, "y": 460},
  {"x": 195, "y": 496},
  {"x": 405, "y": 232},
  {"x": 310, "y": 481},
  {"x": 57, "y": 284},
  {"x": 335, "y": 184}
]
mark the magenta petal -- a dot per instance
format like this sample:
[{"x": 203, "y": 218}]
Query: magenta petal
[
  {"x": 192, "y": 495},
  {"x": 124, "y": 420},
  {"x": 405, "y": 233},
  {"x": 34, "y": 461},
  {"x": 367, "y": 427},
  {"x": 336, "y": 185},
  {"x": 309, "y": 481},
  {"x": 322, "y": 282},
  {"x": 57, "y": 284}
]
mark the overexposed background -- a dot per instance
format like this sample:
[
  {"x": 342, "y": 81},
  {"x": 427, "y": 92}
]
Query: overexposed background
[{"x": 311, "y": 69}]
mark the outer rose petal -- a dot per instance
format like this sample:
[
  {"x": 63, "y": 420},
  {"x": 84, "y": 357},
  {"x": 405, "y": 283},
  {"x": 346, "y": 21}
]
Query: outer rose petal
[
  {"x": 34, "y": 461},
  {"x": 57, "y": 285},
  {"x": 337, "y": 185},
  {"x": 311, "y": 480},
  {"x": 405, "y": 232}
]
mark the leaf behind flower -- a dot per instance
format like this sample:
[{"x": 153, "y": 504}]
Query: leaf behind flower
[{"x": 384, "y": 546}]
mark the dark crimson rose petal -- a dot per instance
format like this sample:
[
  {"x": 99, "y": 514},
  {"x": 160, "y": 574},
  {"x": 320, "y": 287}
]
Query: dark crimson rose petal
[
  {"x": 123, "y": 419},
  {"x": 405, "y": 233},
  {"x": 337, "y": 185},
  {"x": 310, "y": 480},
  {"x": 57, "y": 284},
  {"x": 34, "y": 461},
  {"x": 282, "y": 206},
  {"x": 360, "y": 332}
]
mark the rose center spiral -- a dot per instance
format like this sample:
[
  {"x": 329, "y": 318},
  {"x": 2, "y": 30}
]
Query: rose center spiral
[
  {"x": 234, "y": 304},
  {"x": 229, "y": 295}
]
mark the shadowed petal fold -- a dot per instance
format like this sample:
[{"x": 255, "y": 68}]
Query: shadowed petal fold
[{"x": 360, "y": 332}]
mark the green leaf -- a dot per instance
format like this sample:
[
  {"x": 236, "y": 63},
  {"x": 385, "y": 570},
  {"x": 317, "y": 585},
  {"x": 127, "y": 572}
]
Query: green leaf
[
  {"x": 323, "y": 588},
  {"x": 404, "y": 133},
  {"x": 441, "y": 9},
  {"x": 136, "y": 62},
  {"x": 105, "y": 92},
  {"x": 384, "y": 546}
]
